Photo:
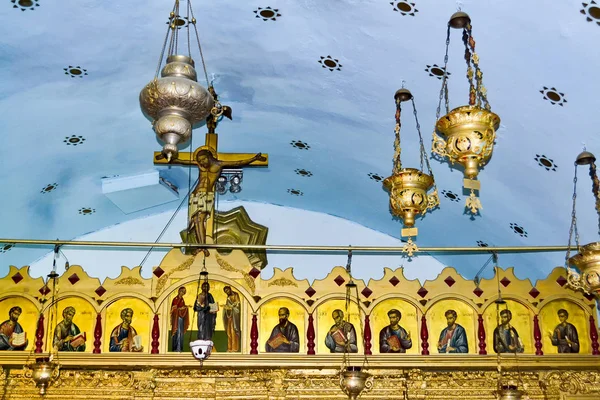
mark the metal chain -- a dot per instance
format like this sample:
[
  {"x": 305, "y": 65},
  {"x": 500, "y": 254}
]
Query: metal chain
[
  {"x": 468, "y": 59},
  {"x": 397, "y": 149},
  {"x": 423, "y": 154},
  {"x": 199, "y": 45},
  {"x": 164, "y": 46},
  {"x": 481, "y": 90},
  {"x": 573, "y": 228},
  {"x": 187, "y": 28},
  {"x": 444, "y": 89}
]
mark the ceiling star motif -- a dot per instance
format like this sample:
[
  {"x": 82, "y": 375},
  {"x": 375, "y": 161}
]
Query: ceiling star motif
[
  {"x": 303, "y": 172},
  {"x": 545, "y": 162},
  {"x": 75, "y": 72},
  {"x": 87, "y": 211},
  {"x": 436, "y": 71},
  {"x": 450, "y": 195},
  {"x": 481, "y": 243},
  {"x": 518, "y": 229},
  {"x": 49, "y": 188},
  {"x": 74, "y": 140},
  {"x": 4, "y": 247},
  {"x": 553, "y": 96},
  {"x": 300, "y": 145},
  {"x": 295, "y": 192},
  {"x": 404, "y": 7},
  {"x": 25, "y": 5},
  {"x": 375, "y": 177},
  {"x": 180, "y": 22},
  {"x": 591, "y": 11},
  {"x": 267, "y": 13},
  {"x": 333, "y": 64}
]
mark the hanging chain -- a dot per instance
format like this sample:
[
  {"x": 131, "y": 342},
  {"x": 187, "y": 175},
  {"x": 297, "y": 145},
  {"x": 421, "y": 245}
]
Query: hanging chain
[
  {"x": 481, "y": 91},
  {"x": 468, "y": 57},
  {"x": 199, "y": 45},
  {"x": 397, "y": 150},
  {"x": 595, "y": 187},
  {"x": 444, "y": 89},
  {"x": 573, "y": 228}
]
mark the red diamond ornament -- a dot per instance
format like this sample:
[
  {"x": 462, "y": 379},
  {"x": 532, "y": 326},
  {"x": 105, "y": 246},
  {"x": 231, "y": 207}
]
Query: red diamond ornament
[
  {"x": 422, "y": 292},
  {"x": 254, "y": 272},
  {"x": 339, "y": 280},
  {"x": 310, "y": 292},
  {"x": 158, "y": 272},
  {"x": 44, "y": 290},
  {"x": 478, "y": 292},
  {"x": 394, "y": 281},
  {"x": 590, "y": 297},
  {"x": 366, "y": 292},
  {"x": 562, "y": 281},
  {"x": 17, "y": 277},
  {"x": 100, "y": 291},
  {"x": 505, "y": 281},
  {"x": 449, "y": 281},
  {"x": 73, "y": 279},
  {"x": 534, "y": 293}
]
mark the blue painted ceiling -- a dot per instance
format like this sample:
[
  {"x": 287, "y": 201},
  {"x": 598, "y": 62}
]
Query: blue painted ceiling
[{"x": 71, "y": 72}]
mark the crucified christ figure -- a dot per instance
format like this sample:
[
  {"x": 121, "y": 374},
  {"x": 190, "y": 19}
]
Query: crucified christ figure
[{"x": 202, "y": 198}]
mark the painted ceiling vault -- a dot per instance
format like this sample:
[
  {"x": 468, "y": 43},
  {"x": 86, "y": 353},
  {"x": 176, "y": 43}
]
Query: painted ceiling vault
[{"x": 311, "y": 83}]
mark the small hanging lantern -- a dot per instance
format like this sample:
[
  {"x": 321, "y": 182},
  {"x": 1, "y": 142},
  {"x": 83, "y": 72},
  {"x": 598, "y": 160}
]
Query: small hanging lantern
[
  {"x": 409, "y": 187},
  {"x": 587, "y": 261},
  {"x": 353, "y": 379},
  {"x": 466, "y": 134},
  {"x": 201, "y": 349},
  {"x": 175, "y": 101},
  {"x": 509, "y": 392}
]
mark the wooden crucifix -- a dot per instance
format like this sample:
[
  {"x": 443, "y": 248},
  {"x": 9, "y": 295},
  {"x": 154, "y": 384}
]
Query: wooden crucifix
[{"x": 210, "y": 163}]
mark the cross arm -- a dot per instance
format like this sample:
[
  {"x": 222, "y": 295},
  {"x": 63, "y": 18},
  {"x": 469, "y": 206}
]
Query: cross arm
[
  {"x": 235, "y": 159},
  {"x": 182, "y": 159}
]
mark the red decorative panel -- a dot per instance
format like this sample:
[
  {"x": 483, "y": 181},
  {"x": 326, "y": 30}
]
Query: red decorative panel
[
  {"x": 534, "y": 293},
  {"x": 158, "y": 272},
  {"x": 17, "y": 278},
  {"x": 39, "y": 335},
  {"x": 367, "y": 338},
  {"x": 73, "y": 279},
  {"x": 155, "y": 335},
  {"x": 422, "y": 292},
  {"x": 481, "y": 335},
  {"x": 449, "y": 281},
  {"x": 254, "y": 336},
  {"x": 424, "y": 337},
  {"x": 594, "y": 336},
  {"x": 100, "y": 291},
  {"x": 505, "y": 281},
  {"x": 98, "y": 334},
  {"x": 537, "y": 336},
  {"x": 478, "y": 292},
  {"x": 310, "y": 292},
  {"x": 310, "y": 335},
  {"x": 366, "y": 292},
  {"x": 394, "y": 281},
  {"x": 339, "y": 280},
  {"x": 254, "y": 272}
]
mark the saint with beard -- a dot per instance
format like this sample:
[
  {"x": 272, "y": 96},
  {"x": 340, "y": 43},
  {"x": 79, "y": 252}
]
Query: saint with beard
[{"x": 284, "y": 337}]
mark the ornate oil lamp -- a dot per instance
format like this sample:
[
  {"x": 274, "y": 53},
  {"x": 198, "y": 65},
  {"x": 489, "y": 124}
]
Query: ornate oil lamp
[
  {"x": 353, "y": 379},
  {"x": 466, "y": 134},
  {"x": 409, "y": 187},
  {"x": 176, "y": 102},
  {"x": 43, "y": 371},
  {"x": 509, "y": 392},
  {"x": 587, "y": 261}
]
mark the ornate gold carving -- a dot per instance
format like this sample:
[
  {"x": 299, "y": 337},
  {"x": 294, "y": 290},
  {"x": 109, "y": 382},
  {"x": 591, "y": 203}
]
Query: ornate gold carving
[
  {"x": 129, "y": 281},
  {"x": 225, "y": 265},
  {"x": 236, "y": 227},
  {"x": 572, "y": 382},
  {"x": 283, "y": 282},
  {"x": 588, "y": 262},
  {"x": 162, "y": 281}
]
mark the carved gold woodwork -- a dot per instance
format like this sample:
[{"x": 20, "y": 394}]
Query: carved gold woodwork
[
  {"x": 236, "y": 227},
  {"x": 587, "y": 261},
  {"x": 223, "y": 377}
]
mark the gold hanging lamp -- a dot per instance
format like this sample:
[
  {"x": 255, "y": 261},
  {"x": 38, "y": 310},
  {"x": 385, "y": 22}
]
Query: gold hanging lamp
[
  {"x": 587, "y": 260},
  {"x": 466, "y": 135},
  {"x": 175, "y": 101},
  {"x": 409, "y": 187}
]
